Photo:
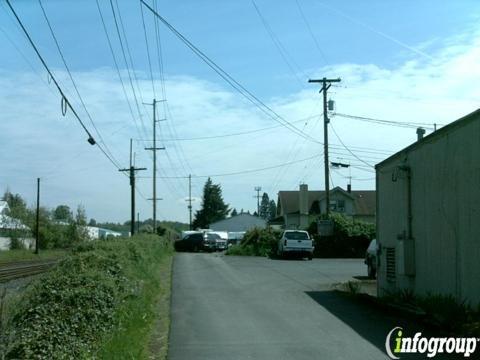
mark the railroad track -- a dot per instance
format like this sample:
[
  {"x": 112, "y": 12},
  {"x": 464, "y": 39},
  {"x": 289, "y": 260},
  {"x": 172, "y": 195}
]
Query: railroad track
[{"x": 19, "y": 269}]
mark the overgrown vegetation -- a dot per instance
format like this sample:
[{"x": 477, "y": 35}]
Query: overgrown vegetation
[
  {"x": 349, "y": 240},
  {"x": 443, "y": 311},
  {"x": 257, "y": 242},
  {"x": 59, "y": 227},
  {"x": 92, "y": 304}
]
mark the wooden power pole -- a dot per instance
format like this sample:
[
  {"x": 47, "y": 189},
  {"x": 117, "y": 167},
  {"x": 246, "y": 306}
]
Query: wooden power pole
[
  {"x": 37, "y": 222},
  {"x": 154, "y": 148},
  {"x": 326, "y": 83},
  {"x": 131, "y": 170}
]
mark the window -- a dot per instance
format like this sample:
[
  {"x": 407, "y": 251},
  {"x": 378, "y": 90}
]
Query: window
[
  {"x": 337, "y": 205},
  {"x": 296, "y": 235}
]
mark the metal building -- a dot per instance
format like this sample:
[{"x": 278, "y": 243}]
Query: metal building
[{"x": 428, "y": 214}]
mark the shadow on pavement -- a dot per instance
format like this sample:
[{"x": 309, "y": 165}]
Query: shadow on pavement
[{"x": 371, "y": 321}]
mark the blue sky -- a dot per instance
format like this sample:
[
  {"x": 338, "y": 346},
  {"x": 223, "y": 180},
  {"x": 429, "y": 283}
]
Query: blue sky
[{"x": 409, "y": 61}]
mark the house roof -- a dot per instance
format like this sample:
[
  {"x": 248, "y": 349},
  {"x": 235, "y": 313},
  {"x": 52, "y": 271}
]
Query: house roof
[
  {"x": 253, "y": 217},
  {"x": 434, "y": 136},
  {"x": 364, "y": 200}
]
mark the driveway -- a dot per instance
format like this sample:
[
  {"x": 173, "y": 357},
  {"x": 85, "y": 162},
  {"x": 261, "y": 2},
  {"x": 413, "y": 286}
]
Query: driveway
[{"x": 256, "y": 308}]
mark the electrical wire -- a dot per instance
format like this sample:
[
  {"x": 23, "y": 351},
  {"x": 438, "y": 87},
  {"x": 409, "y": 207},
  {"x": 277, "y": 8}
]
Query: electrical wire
[
  {"x": 246, "y": 132},
  {"x": 312, "y": 35},
  {"x": 278, "y": 44},
  {"x": 65, "y": 100},
  {"x": 73, "y": 82},
  {"x": 268, "y": 111},
  {"x": 148, "y": 50},
  {"x": 112, "y": 52},
  {"x": 249, "y": 171},
  {"x": 346, "y": 147},
  {"x": 122, "y": 47},
  {"x": 427, "y": 126}
]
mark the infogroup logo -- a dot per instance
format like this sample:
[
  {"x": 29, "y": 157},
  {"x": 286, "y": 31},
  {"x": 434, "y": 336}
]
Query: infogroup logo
[{"x": 397, "y": 344}]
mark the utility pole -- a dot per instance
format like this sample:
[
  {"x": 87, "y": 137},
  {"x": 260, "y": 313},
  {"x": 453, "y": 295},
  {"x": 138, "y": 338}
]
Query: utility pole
[
  {"x": 190, "y": 199},
  {"x": 37, "y": 222},
  {"x": 131, "y": 171},
  {"x": 326, "y": 83},
  {"x": 138, "y": 222},
  {"x": 154, "y": 149},
  {"x": 258, "y": 189}
]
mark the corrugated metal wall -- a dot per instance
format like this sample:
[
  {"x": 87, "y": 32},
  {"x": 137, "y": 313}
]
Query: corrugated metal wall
[{"x": 445, "y": 189}]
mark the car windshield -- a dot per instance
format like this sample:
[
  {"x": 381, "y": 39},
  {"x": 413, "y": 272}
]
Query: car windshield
[
  {"x": 213, "y": 236},
  {"x": 296, "y": 235}
]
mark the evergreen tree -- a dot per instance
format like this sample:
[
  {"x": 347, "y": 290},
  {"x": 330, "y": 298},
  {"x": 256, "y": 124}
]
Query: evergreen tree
[
  {"x": 234, "y": 212},
  {"x": 63, "y": 213},
  {"x": 272, "y": 210},
  {"x": 213, "y": 207},
  {"x": 264, "y": 206}
]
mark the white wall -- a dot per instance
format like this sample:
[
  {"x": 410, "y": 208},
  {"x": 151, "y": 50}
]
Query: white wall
[{"x": 446, "y": 211}]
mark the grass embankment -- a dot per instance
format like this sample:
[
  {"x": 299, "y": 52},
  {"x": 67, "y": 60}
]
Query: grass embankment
[
  {"x": 99, "y": 302},
  {"x": 8, "y": 256}
]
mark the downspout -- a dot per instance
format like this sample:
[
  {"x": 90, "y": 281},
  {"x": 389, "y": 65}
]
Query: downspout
[{"x": 409, "y": 244}]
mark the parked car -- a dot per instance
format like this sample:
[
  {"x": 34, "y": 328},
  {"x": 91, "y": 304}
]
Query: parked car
[
  {"x": 190, "y": 242},
  {"x": 296, "y": 242},
  {"x": 210, "y": 241},
  {"x": 217, "y": 239},
  {"x": 371, "y": 259}
]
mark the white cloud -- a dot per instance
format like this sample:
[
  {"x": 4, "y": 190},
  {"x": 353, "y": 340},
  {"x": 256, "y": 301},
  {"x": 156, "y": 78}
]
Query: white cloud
[{"x": 37, "y": 141}]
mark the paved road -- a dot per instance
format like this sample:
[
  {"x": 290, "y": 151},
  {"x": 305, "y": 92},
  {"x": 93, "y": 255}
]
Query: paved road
[{"x": 255, "y": 308}]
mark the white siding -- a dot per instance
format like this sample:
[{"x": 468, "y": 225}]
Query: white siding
[{"x": 446, "y": 211}]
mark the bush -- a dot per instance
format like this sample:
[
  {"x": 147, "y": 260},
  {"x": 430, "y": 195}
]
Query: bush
[
  {"x": 66, "y": 313},
  {"x": 16, "y": 243},
  {"x": 349, "y": 240},
  {"x": 257, "y": 242}
]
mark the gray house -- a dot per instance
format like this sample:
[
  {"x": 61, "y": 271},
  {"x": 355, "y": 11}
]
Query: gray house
[
  {"x": 240, "y": 222},
  {"x": 296, "y": 209},
  {"x": 428, "y": 214}
]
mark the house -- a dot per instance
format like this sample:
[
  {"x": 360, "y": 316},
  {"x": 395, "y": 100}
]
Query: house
[
  {"x": 428, "y": 211},
  {"x": 99, "y": 233},
  {"x": 9, "y": 225},
  {"x": 239, "y": 223},
  {"x": 296, "y": 209}
]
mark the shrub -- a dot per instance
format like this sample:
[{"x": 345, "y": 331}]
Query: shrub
[
  {"x": 16, "y": 243},
  {"x": 350, "y": 238},
  {"x": 257, "y": 242},
  {"x": 65, "y": 313}
]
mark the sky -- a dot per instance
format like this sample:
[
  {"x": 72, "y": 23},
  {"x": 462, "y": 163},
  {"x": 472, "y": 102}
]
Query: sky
[{"x": 408, "y": 62}]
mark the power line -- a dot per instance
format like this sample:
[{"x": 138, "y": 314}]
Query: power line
[
  {"x": 65, "y": 102},
  {"x": 246, "y": 132},
  {"x": 241, "y": 172},
  {"x": 166, "y": 107},
  {"x": 73, "y": 81},
  {"x": 148, "y": 50},
  {"x": 309, "y": 28},
  {"x": 278, "y": 44},
  {"x": 350, "y": 151},
  {"x": 117, "y": 28},
  {"x": 231, "y": 81},
  {"x": 389, "y": 122},
  {"x": 112, "y": 52}
]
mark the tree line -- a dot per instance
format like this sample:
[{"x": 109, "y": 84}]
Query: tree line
[{"x": 214, "y": 208}]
